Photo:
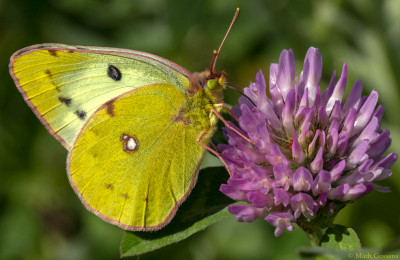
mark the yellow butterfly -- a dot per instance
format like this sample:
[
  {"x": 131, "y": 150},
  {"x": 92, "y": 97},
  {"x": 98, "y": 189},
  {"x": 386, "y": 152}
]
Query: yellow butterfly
[{"x": 131, "y": 121}]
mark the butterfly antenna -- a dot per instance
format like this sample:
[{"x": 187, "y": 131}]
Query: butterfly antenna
[
  {"x": 239, "y": 90},
  {"x": 234, "y": 87},
  {"x": 216, "y": 53}
]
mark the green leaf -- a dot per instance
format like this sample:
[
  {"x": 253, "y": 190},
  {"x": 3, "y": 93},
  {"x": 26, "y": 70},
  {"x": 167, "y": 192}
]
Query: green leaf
[
  {"x": 338, "y": 242},
  {"x": 340, "y": 237},
  {"x": 205, "y": 206}
]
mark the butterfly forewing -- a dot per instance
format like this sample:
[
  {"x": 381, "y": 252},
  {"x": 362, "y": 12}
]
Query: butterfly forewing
[{"x": 65, "y": 85}]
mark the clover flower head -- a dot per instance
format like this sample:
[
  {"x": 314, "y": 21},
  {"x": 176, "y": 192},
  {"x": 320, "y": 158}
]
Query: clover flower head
[{"x": 305, "y": 153}]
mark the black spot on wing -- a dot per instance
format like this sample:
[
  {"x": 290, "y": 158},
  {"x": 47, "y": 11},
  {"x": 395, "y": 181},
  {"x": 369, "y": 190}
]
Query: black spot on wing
[
  {"x": 65, "y": 100},
  {"x": 109, "y": 186},
  {"x": 114, "y": 73},
  {"x": 48, "y": 72},
  {"x": 53, "y": 53},
  {"x": 81, "y": 114}
]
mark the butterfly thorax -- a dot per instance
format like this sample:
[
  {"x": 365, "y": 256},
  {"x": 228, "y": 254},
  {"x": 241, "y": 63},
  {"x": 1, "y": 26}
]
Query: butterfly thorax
[{"x": 204, "y": 92}]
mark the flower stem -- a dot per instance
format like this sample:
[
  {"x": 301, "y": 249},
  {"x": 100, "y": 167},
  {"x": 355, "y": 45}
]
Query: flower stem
[
  {"x": 315, "y": 237},
  {"x": 314, "y": 230}
]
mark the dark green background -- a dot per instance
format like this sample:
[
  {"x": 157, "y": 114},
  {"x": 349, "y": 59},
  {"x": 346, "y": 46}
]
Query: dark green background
[{"x": 42, "y": 218}]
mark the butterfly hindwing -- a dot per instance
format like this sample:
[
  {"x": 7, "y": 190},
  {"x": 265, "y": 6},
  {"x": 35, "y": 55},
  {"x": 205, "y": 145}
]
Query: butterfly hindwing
[
  {"x": 135, "y": 160},
  {"x": 65, "y": 85}
]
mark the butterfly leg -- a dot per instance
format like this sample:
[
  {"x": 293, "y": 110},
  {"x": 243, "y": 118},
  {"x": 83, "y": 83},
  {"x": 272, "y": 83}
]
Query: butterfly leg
[
  {"x": 212, "y": 151},
  {"x": 216, "y": 112},
  {"x": 227, "y": 109}
]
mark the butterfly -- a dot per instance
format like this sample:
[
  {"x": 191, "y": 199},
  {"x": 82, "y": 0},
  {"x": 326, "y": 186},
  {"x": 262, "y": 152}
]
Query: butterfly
[{"x": 136, "y": 126}]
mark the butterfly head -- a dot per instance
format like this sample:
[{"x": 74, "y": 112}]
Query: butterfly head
[
  {"x": 212, "y": 84},
  {"x": 215, "y": 80}
]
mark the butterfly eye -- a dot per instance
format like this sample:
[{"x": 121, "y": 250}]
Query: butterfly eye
[{"x": 212, "y": 84}]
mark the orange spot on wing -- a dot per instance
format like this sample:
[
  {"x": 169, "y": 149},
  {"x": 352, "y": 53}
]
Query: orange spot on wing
[{"x": 110, "y": 108}]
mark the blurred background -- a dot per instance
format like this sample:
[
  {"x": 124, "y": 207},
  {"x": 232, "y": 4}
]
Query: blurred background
[{"x": 42, "y": 218}]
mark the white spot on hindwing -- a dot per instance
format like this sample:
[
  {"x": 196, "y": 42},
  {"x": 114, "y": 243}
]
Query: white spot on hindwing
[{"x": 130, "y": 144}]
